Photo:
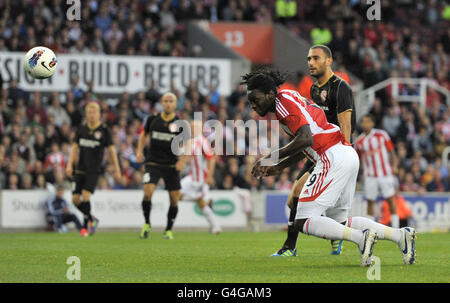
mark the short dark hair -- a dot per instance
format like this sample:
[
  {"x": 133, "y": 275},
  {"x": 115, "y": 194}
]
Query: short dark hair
[
  {"x": 325, "y": 49},
  {"x": 370, "y": 116},
  {"x": 264, "y": 79}
]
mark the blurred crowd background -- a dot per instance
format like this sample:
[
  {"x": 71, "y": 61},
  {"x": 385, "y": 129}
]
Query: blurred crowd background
[{"x": 411, "y": 40}]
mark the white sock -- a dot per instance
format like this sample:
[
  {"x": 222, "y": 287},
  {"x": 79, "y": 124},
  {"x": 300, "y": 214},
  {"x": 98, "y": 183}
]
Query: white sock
[
  {"x": 383, "y": 231},
  {"x": 327, "y": 228},
  {"x": 395, "y": 221},
  {"x": 210, "y": 217}
]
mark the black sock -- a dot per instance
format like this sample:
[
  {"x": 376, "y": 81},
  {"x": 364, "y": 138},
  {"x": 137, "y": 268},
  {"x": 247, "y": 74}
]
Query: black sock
[
  {"x": 85, "y": 208},
  {"x": 171, "y": 215},
  {"x": 146, "y": 208},
  {"x": 79, "y": 206},
  {"x": 291, "y": 241}
]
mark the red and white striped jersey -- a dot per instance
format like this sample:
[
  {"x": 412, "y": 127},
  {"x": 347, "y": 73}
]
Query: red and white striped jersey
[
  {"x": 293, "y": 111},
  {"x": 200, "y": 152},
  {"x": 373, "y": 150},
  {"x": 53, "y": 158}
]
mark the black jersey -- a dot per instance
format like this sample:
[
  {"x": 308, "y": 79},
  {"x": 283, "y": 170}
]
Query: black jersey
[
  {"x": 334, "y": 97},
  {"x": 92, "y": 143},
  {"x": 161, "y": 134}
]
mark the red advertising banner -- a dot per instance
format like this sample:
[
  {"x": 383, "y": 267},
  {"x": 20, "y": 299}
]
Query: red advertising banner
[{"x": 253, "y": 41}]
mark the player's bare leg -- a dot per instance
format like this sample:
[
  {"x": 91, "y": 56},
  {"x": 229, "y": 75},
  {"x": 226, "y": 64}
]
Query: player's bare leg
[
  {"x": 149, "y": 189},
  {"x": 289, "y": 246},
  {"x": 174, "y": 196},
  {"x": 209, "y": 215}
]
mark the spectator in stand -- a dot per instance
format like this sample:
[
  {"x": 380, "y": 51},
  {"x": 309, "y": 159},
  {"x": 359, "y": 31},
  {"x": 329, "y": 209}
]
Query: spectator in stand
[
  {"x": 391, "y": 122},
  {"x": 321, "y": 34},
  {"x": 409, "y": 185},
  {"x": 284, "y": 183},
  {"x": 55, "y": 157},
  {"x": 57, "y": 111},
  {"x": 422, "y": 141},
  {"x": 36, "y": 108}
]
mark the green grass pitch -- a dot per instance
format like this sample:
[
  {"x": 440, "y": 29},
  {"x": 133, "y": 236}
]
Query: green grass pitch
[{"x": 194, "y": 257}]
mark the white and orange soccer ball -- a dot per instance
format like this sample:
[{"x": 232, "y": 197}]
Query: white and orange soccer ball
[{"x": 40, "y": 62}]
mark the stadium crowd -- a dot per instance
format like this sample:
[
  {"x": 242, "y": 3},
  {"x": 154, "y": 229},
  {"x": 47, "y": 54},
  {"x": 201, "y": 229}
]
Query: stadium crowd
[{"x": 411, "y": 40}]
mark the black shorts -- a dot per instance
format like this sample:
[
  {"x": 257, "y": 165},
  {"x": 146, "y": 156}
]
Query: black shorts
[
  {"x": 170, "y": 175},
  {"x": 84, "y": 181}
]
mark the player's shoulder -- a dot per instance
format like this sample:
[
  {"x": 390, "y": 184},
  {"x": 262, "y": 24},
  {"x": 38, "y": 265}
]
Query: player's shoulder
[
  {"x": 152, "y": 117},
  {"x": 380, "y": 132},
  {"x": 340, "y": 83},
  {"x": 288, "y": 97},
  {"x": 83, "y": 128},
  {"x": 360, "y": 139},
  {"x": 289, "y": 102}
]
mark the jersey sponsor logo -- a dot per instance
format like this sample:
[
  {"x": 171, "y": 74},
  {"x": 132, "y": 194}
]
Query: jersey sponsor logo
[
  {"x": 98, "y": 135},
  {"x": 162, "y": 136},
  {"x": 146, "y": 178},
  {"x": 323, "y": 95},
  {"x": 89, "y": 143},
  {"x": 172, "y": 127}
]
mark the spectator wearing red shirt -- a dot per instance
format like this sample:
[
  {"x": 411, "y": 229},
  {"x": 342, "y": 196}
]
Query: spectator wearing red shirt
[{"x": 55, "y": 156}]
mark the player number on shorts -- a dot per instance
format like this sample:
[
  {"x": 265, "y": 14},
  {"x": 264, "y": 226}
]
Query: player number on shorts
[
  {"x": 146, "y": 178},
  {"x": 312, "y": 179}
]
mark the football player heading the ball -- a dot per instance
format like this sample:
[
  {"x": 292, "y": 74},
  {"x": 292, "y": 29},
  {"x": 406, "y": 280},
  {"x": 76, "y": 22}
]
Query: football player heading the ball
[{"x": 331, "y": 186}]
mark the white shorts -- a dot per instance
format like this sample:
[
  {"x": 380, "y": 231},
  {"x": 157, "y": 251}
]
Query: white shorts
[
  {"x": 192, "y": 190},
  {"x": 331, "y": 186},
  {"x": 372, "y": 185}
]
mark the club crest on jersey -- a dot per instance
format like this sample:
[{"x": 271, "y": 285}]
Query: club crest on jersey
[
  {"x": 172, "y": 127},
  {"x": 97, "y": 135},
  {"x": 323, "y": 95}
]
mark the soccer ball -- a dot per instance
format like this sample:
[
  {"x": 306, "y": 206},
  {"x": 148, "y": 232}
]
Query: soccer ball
[{"x": 40, "y": 62}]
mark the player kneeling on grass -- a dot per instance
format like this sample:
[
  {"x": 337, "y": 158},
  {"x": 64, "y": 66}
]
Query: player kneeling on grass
[
  {"x": 195, "y": 186},
  {"x": 331, "y": 186}
]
